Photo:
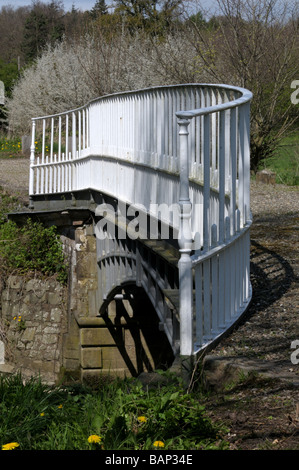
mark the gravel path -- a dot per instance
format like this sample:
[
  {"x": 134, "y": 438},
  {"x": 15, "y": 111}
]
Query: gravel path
[{"x": 14, "y": 176}]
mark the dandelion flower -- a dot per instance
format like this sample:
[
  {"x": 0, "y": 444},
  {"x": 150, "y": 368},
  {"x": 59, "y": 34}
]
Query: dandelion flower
[
  {"x": 10, "y": 446},
  {"x": 158, "y": 444},
  {"x": 42, "y": 414},
  {"x": 142, "y": 419},
  {"x": 60, "y": 406},
  {"x": 94, "y": 439}
]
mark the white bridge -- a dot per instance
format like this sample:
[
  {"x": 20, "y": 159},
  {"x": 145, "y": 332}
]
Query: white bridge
[{"x": 165, "y": 172}]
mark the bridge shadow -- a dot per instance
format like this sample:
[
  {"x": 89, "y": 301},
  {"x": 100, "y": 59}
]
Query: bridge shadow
[
  {"x": 271, "y": 277},
  {"x": 135, "y": 328},
  {"x": 266, "y": 329}
]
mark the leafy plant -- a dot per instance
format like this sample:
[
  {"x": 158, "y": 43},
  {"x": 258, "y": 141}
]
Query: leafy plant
[
  {"x": 32, "y": 247},
  {"x": 41, "y": 417}
]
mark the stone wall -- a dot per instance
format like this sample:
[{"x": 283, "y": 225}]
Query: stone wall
[{"x": 34, "y": 320}]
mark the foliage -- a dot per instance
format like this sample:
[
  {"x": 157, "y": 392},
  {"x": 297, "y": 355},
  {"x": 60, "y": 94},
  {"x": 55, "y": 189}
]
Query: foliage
[
  {"x": 153, "y": 16},
  {"x": 8, "y": 75},
  {"x": 285, "y": 161},
  {"x": 8, "y": 203},
  {"x": 257, "y": 48},
  {"x": 31, "y": 247},
  {"x": 43, "y": 26},
  {"x": 39, "y": 417},
  {"x": 10, "y": 147}
]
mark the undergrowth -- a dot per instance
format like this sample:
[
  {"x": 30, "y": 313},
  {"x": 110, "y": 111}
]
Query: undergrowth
[
  {"x": 29, "y": 248},
  {"x": 117, "y": 415}
]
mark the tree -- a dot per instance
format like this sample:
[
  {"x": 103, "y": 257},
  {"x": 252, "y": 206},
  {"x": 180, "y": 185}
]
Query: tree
[
  {"x": 153, "y": 16},
  {"x": 43, "y": 25},
  {"x": 254, "y": 44},
  {"x": 100, "y": 8}
]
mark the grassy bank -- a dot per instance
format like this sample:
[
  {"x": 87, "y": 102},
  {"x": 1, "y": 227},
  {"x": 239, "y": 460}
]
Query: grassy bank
[
  {"x": 285, "y": 161},
  {"x": 118, "y": 415}
]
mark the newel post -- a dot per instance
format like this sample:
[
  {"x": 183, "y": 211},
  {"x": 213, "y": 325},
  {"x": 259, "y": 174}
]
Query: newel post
[
  {"x": 185, "y": 244},
  {"x": 31, "y": 171}
]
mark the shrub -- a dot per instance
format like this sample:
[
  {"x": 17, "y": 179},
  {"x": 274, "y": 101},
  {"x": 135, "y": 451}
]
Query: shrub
[{"x": 32, "y": 248}]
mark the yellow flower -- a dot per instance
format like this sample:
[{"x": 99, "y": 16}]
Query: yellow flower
[
  {"x": 158, "y": 444},
  {"x": 142, "y": 419},
  {"x": 94, "y": 439},
  {"x": 10, "y": 446},
  {"x": 42, "y": 414},
  {"x": 60, "y": 406}
]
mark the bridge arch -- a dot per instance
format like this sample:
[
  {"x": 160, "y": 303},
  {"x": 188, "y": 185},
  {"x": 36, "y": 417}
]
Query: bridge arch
[
  {"x": 185, "y": 146},
  {"x": 132, "y": 320}
]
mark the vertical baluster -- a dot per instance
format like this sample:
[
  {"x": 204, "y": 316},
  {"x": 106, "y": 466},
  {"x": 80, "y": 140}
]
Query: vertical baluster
[
  {"x": 228, "y": 270},
  {"x": 44, "y": 137},
  {"x": 198, "y": 305},
  {"x": 247, "y": 264},
  {"x": 233, "y": 164},
  {"x": 160, "y": 121},
  {"x": 79, "y": 133},
  {"x": 137, "y": 132},
  {"x": 32, "y": 158},
  {"x": 207, "y": 299},
  {"x": 238, "y": 264},
  {"x": 58, "y": 174},
  {"x": 164, "y": 129},
  {"x": 54, "y": 174},
  {"x": 214, "y": 281},
  {"x": 241, "y": 165},
  {"x": 206, "y": 189},
  {"x": 42, "y": 173},
  {"x": 51, "y": 175},
  {"x": 37, "y": 177},
  {"x": 214, "y": 135},
  {"x": 174, "y": 105},
  {"x": 221, "y": 172},
  {"x": 74, "y": 144},
  {"x": 84, "y": 128},
  {"x": 198, "y": 135},
  {"x": 247, "y": 161},
  {"x": 46, "y": 189},
  {"x": 192, "y": 135},
  {"x": 52, "y": 137}
]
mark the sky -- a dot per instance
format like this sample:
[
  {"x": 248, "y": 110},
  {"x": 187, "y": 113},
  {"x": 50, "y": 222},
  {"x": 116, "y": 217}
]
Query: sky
[{"x": 84, "y": 4}]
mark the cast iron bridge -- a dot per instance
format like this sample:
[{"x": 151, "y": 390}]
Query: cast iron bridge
[{"x": 165, "y": 173}]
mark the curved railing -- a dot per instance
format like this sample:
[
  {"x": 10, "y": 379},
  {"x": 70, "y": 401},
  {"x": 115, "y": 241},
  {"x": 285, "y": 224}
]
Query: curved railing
[{"x": 180, "y": 153}]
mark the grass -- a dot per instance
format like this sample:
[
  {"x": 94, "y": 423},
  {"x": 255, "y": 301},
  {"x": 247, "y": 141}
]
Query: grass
[
  {"x": 117, "y": 415},
  {"x": 285, "y": 161},
  {"x": 10, "y": 148}
]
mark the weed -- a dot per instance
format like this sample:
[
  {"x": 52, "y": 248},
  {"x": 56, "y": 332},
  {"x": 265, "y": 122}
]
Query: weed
[
  {"x": 39, "y": 417},
  {"x": 32, "y": 248}
]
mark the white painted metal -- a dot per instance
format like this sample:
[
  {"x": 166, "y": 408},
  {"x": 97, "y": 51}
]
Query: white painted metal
[{"x": 127, "y": 145}]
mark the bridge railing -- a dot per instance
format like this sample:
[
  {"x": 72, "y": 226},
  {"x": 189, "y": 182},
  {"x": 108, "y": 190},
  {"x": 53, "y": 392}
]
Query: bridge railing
[{"x": 184, "y": 146}]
